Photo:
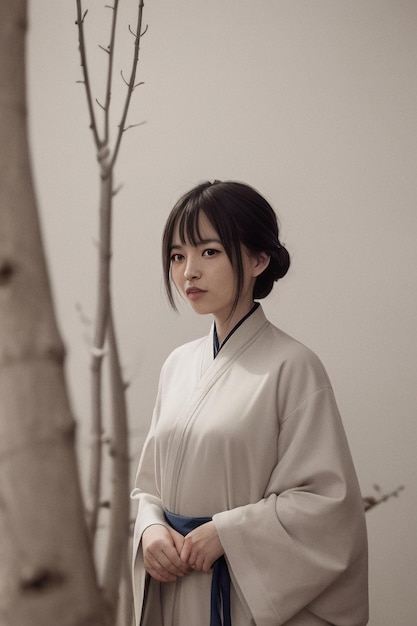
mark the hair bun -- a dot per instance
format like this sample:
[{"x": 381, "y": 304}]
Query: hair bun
[
  {"x": 280, "y": 261},
  {"x": 278, "y": 266}
]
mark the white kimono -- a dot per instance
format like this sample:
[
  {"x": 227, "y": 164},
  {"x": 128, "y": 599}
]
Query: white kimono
[{"x": 254, "y": 439}]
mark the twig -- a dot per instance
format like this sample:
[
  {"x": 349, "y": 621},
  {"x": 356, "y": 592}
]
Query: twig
[
  {"x": 111, "y": 50},
  {"x": 131, "y": 82},
  {"x": 83, "y": 54},
  {"x": 133, "y": 126},
  {"x": 369, "y": 502},
  {"x": 100, "y": 105},
  {"x": 127, "y": 84}
]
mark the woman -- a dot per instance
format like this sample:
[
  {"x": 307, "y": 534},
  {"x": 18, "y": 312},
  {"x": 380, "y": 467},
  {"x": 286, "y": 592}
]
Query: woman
[{"x": 245, "y": 478}]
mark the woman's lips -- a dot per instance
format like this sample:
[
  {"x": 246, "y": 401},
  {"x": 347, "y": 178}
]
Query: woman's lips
[{"x": 193, "y": 293}]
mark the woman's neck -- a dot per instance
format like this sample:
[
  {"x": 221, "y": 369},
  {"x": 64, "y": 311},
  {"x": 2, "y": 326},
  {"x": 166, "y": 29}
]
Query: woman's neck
[{"x": 224, "y": 327}]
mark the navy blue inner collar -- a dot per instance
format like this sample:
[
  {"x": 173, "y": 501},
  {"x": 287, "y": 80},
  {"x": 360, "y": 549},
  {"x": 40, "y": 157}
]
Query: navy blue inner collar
[{"x": 216, "y": 345}]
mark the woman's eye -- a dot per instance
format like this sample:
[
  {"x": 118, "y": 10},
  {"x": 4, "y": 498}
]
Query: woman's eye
[
  {"x": 210, "y": 252},
  {"x": 176, "y": 257}
]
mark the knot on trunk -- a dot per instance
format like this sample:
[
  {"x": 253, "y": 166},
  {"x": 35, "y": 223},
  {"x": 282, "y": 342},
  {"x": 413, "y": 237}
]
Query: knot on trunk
[
  {"x": 40, "y": 579},
  {"x": 6, "y": 272}
]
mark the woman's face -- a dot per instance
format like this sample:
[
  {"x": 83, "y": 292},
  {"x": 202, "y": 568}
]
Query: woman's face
[{"x": 205, "y": 278}]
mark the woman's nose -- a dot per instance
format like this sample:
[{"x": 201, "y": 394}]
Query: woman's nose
[{"x": 191, "y": 270}]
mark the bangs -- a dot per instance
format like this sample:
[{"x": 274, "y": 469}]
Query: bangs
[{"x": 187, "y": 220}]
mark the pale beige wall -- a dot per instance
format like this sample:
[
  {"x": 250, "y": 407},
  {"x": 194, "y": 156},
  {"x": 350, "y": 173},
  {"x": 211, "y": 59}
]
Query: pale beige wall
[{"x": 314, "y": 102}]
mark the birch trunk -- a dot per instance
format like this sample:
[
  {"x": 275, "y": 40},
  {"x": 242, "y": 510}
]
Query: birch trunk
[{"x": 47, "y": 575}]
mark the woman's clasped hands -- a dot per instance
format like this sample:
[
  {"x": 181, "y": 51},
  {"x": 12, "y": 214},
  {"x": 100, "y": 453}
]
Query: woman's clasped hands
[{"x": 168, "y": 555}]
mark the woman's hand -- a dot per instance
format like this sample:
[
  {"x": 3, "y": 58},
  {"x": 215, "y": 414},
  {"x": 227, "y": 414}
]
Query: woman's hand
[
  {"x": 201, "y": 547},
  {"x": 161, "y": 548}
]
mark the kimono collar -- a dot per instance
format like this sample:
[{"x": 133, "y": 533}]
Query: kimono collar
[
  {"x": 216, "y": 345},
  {"x": 242, "y": 335}
]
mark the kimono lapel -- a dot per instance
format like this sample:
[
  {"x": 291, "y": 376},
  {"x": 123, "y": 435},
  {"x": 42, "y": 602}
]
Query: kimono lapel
[
  {"x": 207, "y": 357},
  {"x": 211, "y": 372}
]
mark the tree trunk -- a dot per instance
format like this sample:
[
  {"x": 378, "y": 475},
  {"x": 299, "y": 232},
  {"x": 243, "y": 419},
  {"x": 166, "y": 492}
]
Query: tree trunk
[{"x": 47, "y": 575}]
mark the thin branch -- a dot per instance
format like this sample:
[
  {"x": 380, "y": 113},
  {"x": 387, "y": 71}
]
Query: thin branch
[
  {"x": 127, "y": 84},
  {"x": 92, "y": 510},
  {"x": 97, "y": 351},
  {"x": 111, "y": 50},
  {"x": 100, "y": 105},
  {"x": 369, "y": 502},
  {"x": 133, "y": 126},
  {"x": 83, "y": 17},
  {"x": 124, "y": 79},
  {"x": 120, "y": 502},
  {"x": 131, "y": 82},
  {"x": 133, "y": 32},
  {"x": 83, "y": 55}
]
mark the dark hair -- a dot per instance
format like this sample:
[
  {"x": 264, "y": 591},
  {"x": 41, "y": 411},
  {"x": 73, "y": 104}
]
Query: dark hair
[{"x": 240, "y": 215}]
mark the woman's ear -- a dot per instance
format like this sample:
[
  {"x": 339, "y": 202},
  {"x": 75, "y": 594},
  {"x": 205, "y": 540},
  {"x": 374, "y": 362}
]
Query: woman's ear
[{"x": 261, "y": 262}]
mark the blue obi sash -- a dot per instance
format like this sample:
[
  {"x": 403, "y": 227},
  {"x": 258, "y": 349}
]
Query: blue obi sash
[{"x": 220, "y": 585}]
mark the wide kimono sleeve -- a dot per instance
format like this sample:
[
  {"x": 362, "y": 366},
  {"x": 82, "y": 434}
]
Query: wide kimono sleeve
[{"x": 302, "y": 549}]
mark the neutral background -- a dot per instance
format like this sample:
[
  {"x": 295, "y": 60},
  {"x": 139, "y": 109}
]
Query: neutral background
[{"x": 314, "y": 103}]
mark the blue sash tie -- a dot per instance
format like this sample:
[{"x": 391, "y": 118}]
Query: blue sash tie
[{"x": 220, "y": 585}]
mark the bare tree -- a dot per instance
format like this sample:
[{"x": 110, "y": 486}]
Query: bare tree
[
  {"x": 47, "y": 574},
  {"x": 105, "y": 339}
]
